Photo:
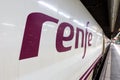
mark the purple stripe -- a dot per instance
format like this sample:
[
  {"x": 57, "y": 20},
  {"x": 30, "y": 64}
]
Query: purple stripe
[{"x": 87, "y": 73}]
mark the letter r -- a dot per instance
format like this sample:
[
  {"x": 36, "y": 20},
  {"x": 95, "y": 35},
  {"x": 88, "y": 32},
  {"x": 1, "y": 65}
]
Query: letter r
[{"x": 32, "y": 34}]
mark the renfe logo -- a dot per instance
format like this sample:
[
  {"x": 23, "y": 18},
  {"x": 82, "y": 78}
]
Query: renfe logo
[{"x": 32, "y": 35}]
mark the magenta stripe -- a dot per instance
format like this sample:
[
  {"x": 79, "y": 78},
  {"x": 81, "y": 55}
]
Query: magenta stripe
[{"x": 87, "y": 73}]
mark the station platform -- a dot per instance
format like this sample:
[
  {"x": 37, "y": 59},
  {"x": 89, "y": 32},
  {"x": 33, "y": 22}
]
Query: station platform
[{"x": 111, "y": 69}]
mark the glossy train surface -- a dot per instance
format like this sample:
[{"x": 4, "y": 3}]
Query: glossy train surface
[{"x": 48, "y": 40}]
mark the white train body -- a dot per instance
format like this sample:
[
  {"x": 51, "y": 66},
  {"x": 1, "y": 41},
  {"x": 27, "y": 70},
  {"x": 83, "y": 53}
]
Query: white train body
[{"x": 48, "y": 40}]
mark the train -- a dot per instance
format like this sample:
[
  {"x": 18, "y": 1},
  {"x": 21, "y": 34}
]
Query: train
[{"x": 49, "y": 40}]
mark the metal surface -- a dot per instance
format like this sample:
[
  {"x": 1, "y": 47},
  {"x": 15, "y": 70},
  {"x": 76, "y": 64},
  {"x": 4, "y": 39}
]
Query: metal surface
[
  {"x": 115, "y": 62},
  {"x": 48, "y": 40},
  {"x": 113, "y": 7}
]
